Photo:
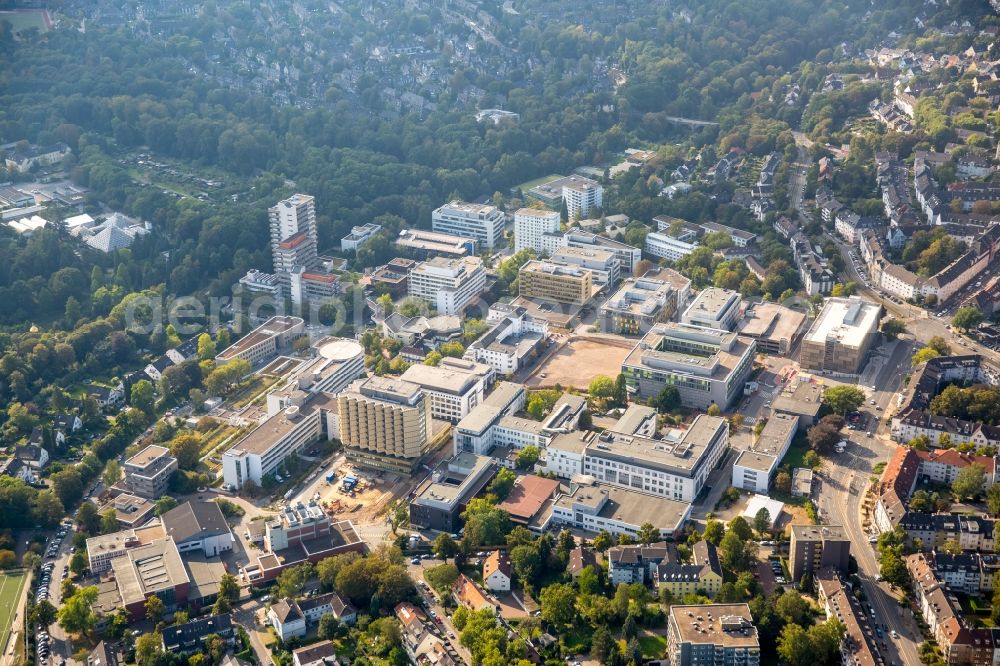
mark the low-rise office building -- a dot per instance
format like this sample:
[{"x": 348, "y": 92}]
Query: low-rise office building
[
  {"x": 714, "y": 308},
  {"x": 775, "y": 328},
  {"x": 198, "y": 526},
  {"x": 755, "y": 467},
  {"x": 708, "y": 366},
  {"x": 482, "y": 222},
  {"x": 514, "y": 341},
  {"x": 264, "y": 342},
  {"x": 639, "y": 304},
  {"x": 664, "y": 246},
  {"x": 603, "y": 264},
  {"x": 441, "y": 499},
  {"x": 424, "y": 244},
  {"x": 475, "y": 433},
  {"x": 261, "y": 451},
  {"x": 618, "y": 510},
  {"x": 555, "y": 281},
  {"x": 455, "y": 386}
]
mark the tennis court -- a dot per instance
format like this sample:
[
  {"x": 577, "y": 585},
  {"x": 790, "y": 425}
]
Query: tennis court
[{"x": 10, "y": 593}]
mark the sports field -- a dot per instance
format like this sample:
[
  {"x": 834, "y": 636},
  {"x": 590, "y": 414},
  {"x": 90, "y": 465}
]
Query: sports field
[
  {"x": 10, "y": 593},
  {"x": 25, "y": 19}
]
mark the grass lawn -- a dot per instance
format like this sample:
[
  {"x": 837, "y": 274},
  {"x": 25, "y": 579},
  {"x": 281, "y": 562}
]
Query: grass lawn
[
  {"x": 654, "y": 646},
  {"x": 576, "y": 639},
  {"x": 795, "y": 453},
  {"x": 10, "y": 592},
  {"x": 25, "y": 20},
  {"x": 536, "y": 182}
]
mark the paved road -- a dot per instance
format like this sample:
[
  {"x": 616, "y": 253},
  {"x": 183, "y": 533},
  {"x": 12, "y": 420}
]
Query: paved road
[
  {"x": 845, "y": 484},
  {"x": 447, "y": 630}
]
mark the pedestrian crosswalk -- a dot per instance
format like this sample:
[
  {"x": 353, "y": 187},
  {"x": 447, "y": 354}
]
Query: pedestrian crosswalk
[{"x": 749, "y": 420}]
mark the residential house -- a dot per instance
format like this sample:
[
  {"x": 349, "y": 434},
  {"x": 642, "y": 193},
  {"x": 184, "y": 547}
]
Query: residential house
[
  {"x": 635, "y": 563},
  {"x": 287, "y": 619},
  {"x": 497, "y": 571}
]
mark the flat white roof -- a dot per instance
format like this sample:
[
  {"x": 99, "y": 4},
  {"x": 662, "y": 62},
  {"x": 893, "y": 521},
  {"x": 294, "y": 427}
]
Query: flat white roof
[
  {"x": 848, "y": 319},
  {"x": 758, "y": 502}
]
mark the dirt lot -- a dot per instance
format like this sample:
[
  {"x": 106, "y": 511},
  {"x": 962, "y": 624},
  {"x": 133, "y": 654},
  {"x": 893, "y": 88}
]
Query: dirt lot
[{"x": 580, "y": 360}]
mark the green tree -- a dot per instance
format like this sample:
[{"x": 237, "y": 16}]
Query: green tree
[
  {"x": 293, "y": 580},
  {"x": 527, "y": 457},
  {"x": 794, "y": 646},
  {"x": 668, "y": 399},
  {"x": 77, "y": 615},
  {"x": 187, "y": 449},
  {"x": 892, "y": 567},
  {"x": 526, "y": 563},
  {"x": 793, "y": 608},
  {"x": 969, "y": 482},
  {"x": 923, "y": 355},
  {"x": 433, "y": 358},
  {"x": 441, "y": 577},
  {"x": 503, "y": 483},
  {"x": 602, "y": 541},
  {"x": 88, "y": 518},
  {"x": 148, "y": 648},
  {"x": 399, "y": 514},
  {"x": 892, "y": 328},
  {"x": 142, "y": 397},
  {"x": 762, "y": 521},
  {"x": 43, "y": 613},
  {"x": 601, "y": 387},
  {"x": 620, "y": 396},
  {"x": 385, "y": 302},
  {"x": 329, "y": 627},
  {"x": 453, "y": 349},
  {"x": 844, "y": 398},
  {"x": 714, "y": 531},
  {"x": 164, "y": 504},
  {"x": 648, "y": 533},
  {"x": 602, "y": 644},
  {"x": 155, "y": 609},
  {"x": 741, "y": 528},
  {"x": 445, "y": 547},
  {"x": 112, "y": 472},
  {"x": 993, "y": 499},
  {"x": 713, "y": 410},
  {"x": 558, "y": 603},
  {"x": 109, "y": 521},
  {"x": 967, "y": 318},
  {"x": 229, "y": 589},
  {"x": 206, "y": 347}
]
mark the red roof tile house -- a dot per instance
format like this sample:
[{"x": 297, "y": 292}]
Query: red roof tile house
[{"x": 468, "y": 594}]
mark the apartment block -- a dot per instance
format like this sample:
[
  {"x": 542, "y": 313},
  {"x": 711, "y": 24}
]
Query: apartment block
[
  {"x": 484, "y": 223},
  {"x": 714, "y": 308},
  {"x": 708, "y": 366},
  {"x": 664, "y": 246},
  {"x": 555, "y": 281},
  {"x": 530, "y": 227},
  {"x": 583, "y": 196},
  {"x": 385, "y": 423},
  {"x": 839, "y": 339},
  {"x": 449, "y": 285},
  {"x": 817, "y": 547},
  {"x": 718, "y": 634},
  {"x": 148, "y": 472}
]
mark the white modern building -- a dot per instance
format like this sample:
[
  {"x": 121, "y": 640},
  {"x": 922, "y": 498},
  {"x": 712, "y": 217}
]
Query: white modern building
[
  {"x": 475, "y": 432},
  {"x": 455, "y": 386},
  {"x": 755, "y": 467},
  {"x": 336, "y": 363},
  {"x": 583, "y": 196},
  {"x": 664, "y": 246},
  {"x": 604, "y": 266},
  {"x": 482, "y": 222},
  {"x": 530, "y": 227},
  {"x": 714, "y": 308},
  {"x": 449, "y": 285},
  {"x": 515, "y": 338},
  {"x": 359, "y": 236}
]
